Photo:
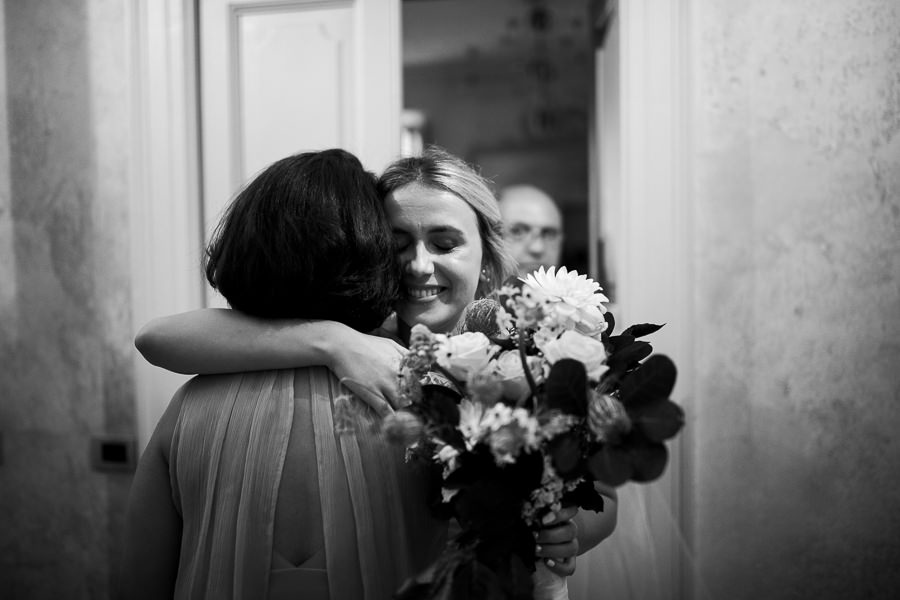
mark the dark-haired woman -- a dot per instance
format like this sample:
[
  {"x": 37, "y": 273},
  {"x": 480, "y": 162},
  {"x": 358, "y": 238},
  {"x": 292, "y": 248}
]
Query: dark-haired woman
[{"x": 245, "y": 490}]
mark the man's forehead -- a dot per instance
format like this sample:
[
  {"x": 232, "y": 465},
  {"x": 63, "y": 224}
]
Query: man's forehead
[
  {"x": 528, "y": 203},
  {"x": 533, "y": 213}
]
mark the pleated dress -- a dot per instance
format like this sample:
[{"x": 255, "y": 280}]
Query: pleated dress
[{"x": 228, "y": 456}]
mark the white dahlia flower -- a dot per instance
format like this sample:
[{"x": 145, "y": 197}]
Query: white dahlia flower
[{"x": 572, "y": 301}]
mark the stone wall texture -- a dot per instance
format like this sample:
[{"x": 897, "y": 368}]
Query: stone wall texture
[
  {"x": 796, "y": 178},
  {"x": 65, "y": 350}
]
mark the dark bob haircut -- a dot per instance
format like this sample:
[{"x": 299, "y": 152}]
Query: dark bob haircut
[{"x": 307, "y": 238}]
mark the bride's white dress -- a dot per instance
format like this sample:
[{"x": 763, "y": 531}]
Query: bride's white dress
[
  {"x": 548, "y": 585},
  {"x": 630, "y": 564}
]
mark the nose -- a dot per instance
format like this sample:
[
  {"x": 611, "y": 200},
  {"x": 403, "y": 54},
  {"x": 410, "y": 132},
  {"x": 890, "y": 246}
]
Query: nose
[
  {"x": 419, "y": 262},
  {"x": 536, "y": 245}
]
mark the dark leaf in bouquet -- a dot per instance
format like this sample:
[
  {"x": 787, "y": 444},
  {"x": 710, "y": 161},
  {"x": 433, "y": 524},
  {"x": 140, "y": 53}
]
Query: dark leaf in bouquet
[
  {"x": 525, "y": 475},
  {"x": 521, "y": 584},
  {"x": 642, "y": 329},
  {"x": 629, "y": 355},
  {"x": 658, "y": 420},
  {"x": 649, "y": 460},
  {"x": 565, "y": 451},
  {"x": 436, "y": 581},
  {"x": 654, "y": 380},
  {"x": 585, "y": 496},
  {"x": 610, "y": 325},
  {"x": 507, "y": 551},
  {"x": 439, "y": 409},
  {"x": 483, "y": 519},
  {"x": 473, "y": 466},
  {"x": 442, "y": 403},
  {"x": 474, "y": 580},
  {"x": 611, "y": 465},
  {"x": 489, "y": 485},
  {"x": 509, "y": 566},
  {"x": 508, "y": 483},
  {"x": 566, "y": 387},
  {"x": 619, "y": 342}
]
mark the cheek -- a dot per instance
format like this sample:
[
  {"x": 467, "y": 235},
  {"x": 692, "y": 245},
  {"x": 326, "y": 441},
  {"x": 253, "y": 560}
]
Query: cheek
[
  {"x": 463, "y": 272},
  {"x": 471, "y": 273}
]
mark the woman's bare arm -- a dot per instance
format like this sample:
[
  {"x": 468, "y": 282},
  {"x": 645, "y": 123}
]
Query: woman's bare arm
[
  {"x": 148, "y": 565},
  {"x": 571, "y": 532},
  {"x": 215, "y": 340},
  {"x": 594, "y": 527}
]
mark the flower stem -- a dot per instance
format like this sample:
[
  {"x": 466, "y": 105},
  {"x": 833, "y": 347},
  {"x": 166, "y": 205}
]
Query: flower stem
[{"x": 528, "y": 377}]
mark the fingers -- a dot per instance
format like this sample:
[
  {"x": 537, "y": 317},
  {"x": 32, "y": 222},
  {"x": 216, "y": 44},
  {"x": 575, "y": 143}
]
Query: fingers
[
  {"x": 563, "y": 566},
  {"x": 391, "y": 395},
  {"x": 557, "y": 541},
  {"x": 557, "y": 534},
  {"x": 381, "y": 406},
  {"x": 566, "y": 513},
  {"x": 557, "y": 551}
]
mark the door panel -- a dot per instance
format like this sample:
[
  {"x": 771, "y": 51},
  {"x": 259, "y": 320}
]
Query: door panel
[
  {"x": 284, "y": 77},
  {"x": 281, "y": 54},
  {"x": 273, "y": 77}
]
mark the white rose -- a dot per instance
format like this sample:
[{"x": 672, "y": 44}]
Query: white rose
[
  {"x": 465, "y": 353},
  {"x": 586, "y": 350},
  {"x": 512, "y": 375}
]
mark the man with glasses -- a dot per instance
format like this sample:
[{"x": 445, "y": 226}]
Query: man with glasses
[{"x": 532, "y": 227}]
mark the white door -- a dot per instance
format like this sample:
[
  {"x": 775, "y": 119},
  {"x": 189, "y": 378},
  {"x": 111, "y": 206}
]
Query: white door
[
  {"x": 274, "y": 77},
  {"x": 284, "y": 77}
]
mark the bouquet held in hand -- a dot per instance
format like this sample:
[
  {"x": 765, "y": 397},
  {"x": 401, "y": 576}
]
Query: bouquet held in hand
[{"x": 521, "y": 416}]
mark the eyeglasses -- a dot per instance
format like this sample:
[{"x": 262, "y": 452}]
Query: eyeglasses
[{"x": 520, "y": 232}]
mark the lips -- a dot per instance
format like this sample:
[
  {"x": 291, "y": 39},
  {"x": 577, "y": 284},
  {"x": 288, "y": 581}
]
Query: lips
[{"x": 423, "y": 292}]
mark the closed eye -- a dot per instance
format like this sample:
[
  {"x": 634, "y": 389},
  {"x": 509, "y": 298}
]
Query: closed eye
[{"x": 445, "y": 243}]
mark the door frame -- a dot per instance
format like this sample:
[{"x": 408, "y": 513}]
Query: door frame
[
  {"x": 642, "y": 192},
  {"x": 164, "y": 185}
]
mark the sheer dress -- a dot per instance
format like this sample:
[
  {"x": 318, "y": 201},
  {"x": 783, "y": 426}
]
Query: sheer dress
[{"x": 248, "y": 449}]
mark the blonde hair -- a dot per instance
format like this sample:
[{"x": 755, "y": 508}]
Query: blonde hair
[{"x": 437, "y": 168}]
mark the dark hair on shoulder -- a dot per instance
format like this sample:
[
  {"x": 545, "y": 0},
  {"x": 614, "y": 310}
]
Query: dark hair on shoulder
[{"x": 307, "y": 238}]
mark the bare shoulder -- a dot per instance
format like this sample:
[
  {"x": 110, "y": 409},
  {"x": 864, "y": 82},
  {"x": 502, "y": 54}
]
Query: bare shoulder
[{"x": 161, "y": 441}]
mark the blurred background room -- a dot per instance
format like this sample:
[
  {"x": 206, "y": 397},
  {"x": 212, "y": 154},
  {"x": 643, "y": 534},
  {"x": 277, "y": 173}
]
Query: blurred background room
[{"x": 731, "y": 169}]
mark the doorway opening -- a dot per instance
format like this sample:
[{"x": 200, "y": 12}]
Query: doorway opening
[{"x": 508, "y": 86}]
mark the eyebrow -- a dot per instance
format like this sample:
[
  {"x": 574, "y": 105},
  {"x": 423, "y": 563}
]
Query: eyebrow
[{"x": 438, "y": 229}]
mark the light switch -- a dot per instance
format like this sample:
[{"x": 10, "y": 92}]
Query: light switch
[{"x": 110, "y": 453}]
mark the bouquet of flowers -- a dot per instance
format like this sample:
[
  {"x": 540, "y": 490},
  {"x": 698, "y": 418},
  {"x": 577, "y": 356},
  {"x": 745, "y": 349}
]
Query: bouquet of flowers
[{"x": 521, "y": 417}]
